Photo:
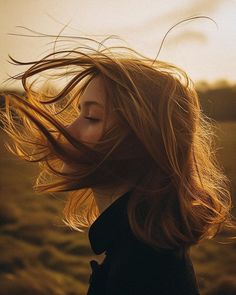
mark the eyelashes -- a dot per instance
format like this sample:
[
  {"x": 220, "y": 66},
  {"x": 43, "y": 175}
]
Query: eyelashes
[{"x": 92, "y": 119}]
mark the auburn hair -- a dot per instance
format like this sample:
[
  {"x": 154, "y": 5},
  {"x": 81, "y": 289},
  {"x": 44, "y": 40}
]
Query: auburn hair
[{"x": 162, "y": 143}]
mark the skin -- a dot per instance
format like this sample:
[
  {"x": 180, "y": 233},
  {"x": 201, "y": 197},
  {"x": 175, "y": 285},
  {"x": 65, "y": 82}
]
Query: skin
[{"x": 89, "y": 127}]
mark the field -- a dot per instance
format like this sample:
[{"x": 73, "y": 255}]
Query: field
[{"x": 39, "y": 255}]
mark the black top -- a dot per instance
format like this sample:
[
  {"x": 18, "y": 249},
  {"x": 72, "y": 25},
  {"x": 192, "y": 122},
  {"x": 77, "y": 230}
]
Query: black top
[{"x": 132, "y": 267}]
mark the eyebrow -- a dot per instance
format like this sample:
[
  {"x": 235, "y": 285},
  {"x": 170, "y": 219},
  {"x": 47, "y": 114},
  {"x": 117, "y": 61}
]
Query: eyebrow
[{"x": 90, "y": 102}]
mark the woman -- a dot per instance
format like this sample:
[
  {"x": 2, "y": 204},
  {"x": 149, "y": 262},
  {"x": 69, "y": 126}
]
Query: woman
[{"x": 127, "y": 137}]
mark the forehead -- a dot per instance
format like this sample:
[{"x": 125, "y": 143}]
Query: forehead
[{"x": 94, "y": 92}]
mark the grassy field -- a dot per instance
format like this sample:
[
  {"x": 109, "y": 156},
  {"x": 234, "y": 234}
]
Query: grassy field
[{"x": 39, "y": 255}]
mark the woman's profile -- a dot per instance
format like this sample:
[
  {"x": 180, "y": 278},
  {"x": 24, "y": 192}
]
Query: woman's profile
[{"x": 127, "y": 139}]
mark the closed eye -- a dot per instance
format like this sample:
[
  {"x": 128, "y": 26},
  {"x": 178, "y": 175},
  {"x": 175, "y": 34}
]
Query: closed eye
[{"x": 92, "y": 119}]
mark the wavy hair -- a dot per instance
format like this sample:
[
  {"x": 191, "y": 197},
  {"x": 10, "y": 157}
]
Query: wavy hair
[{"x": 162, "y": 143}]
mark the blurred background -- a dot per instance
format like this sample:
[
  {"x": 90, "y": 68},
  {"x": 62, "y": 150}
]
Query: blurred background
[{"x": 38, "y": 255}]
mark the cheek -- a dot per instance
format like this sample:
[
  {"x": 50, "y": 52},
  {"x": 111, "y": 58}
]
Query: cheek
[
  {"x": 84, "y": 130},
  {"x": 90, "y": 132}
]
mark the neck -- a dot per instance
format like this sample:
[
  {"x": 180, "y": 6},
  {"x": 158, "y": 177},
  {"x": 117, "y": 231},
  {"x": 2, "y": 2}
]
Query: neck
[{"x": 104, "y": 197}]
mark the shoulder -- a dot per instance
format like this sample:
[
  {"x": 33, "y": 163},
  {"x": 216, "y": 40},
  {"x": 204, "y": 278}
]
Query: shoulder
[
  {"x": 143, "y": 259},
  {"x": 139, "y": 267}
]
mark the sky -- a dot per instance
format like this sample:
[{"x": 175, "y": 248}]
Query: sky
[{"x": 206, "y": 51}]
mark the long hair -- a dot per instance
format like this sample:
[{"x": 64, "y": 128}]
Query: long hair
[{"x": 162, "y": 143}]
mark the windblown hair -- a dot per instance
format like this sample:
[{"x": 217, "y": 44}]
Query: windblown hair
[{"x": 162, "y": 143}]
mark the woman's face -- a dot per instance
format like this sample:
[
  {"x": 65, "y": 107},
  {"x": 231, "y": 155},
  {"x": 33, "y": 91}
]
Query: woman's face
[{"x": 89, "y": 125}]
